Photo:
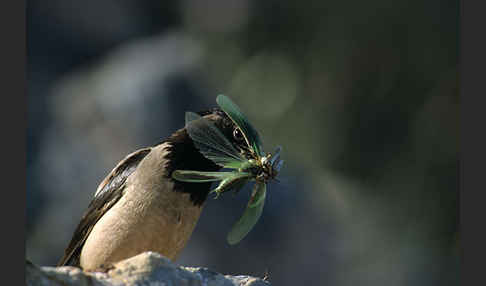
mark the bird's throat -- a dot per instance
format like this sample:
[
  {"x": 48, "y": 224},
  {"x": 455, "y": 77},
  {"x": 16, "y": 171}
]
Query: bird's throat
[{"x": 183, "y": 155}]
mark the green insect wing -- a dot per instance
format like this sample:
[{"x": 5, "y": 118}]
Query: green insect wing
[
  {"x": 201, "y": 177},
  {"x": 212, "y": 143},
  {"x": 251, "y": 215},
  {"x": 233, "y": 111},
  {"x": 229, "y": 180}
]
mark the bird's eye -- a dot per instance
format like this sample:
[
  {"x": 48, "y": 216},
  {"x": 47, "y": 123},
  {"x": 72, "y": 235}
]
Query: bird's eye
[{"x": 237, "y": 134}]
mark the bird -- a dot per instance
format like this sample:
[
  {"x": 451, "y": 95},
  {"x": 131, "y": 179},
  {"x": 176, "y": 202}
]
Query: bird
[{"x": 139, "y": 207}]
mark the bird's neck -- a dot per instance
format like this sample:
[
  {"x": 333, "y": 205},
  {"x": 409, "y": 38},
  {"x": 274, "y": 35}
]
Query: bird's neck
[{"x": 183, "y": 155}]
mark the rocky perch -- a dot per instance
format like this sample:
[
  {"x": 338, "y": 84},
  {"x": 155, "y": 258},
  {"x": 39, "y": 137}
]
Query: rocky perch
[{"x": 148, "y": 268}]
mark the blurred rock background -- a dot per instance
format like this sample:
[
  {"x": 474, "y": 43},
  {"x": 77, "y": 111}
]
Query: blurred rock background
[{"x": 363, "y": 96}]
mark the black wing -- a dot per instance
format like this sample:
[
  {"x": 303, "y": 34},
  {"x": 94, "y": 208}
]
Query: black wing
[{"x": 108, "y": 193}]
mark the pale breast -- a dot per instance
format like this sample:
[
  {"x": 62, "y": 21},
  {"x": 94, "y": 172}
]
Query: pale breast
[{"x": 149, "y": 217}]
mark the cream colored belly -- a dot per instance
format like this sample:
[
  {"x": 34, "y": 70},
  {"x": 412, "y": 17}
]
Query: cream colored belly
[{"x": 160, "y": 221}]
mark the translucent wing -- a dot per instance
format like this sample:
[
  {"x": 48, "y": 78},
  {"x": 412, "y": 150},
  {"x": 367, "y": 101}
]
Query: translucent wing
[
  {"x": 276, "y": 156},
  {"x": 211, "y": 142},
  {"x": 278, "y": 166},
  {"x": 233, "y": 111},
  {"x": 251, "y": 215},
  {"x": 275, "y": 161},
  {"x": 201, "y": 177}
]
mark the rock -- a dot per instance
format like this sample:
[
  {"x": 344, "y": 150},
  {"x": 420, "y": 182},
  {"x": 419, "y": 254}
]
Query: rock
[{"x": 148, "y": 268}]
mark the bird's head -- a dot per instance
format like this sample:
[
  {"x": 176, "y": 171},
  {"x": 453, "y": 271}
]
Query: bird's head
[{"x": 228, "y": 128}]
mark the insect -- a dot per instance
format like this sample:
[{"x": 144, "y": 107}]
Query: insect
[{"x": 244, "y": 165}]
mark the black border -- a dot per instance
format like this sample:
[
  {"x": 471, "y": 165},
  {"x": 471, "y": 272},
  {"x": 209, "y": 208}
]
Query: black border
[
  {"x": 14, "y": 119},
  {"x": 472, "y": 45}
]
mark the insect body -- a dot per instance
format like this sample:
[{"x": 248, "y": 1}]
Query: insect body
[{"x": 249, "y": 163}]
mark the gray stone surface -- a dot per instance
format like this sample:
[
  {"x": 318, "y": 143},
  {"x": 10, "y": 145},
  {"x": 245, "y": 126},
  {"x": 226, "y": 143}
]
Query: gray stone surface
[{"x": 148, "y": 268}]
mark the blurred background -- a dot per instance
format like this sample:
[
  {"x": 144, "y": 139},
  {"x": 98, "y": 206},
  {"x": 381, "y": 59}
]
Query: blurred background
[{"x": 362, "y": 95}]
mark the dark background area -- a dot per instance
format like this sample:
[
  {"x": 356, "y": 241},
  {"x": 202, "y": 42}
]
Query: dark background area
[{"x": 363, "y": 97}]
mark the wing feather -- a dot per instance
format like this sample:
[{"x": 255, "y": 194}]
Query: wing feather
[{"x": 108, "y": 193}]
